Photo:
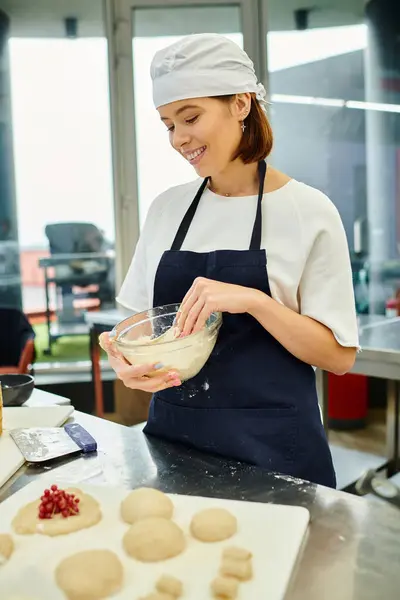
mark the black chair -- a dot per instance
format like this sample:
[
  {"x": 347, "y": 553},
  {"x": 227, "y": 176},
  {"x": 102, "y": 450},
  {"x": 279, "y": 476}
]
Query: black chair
[
  {"x": 79, "y": 259},
  {"x": 17, "y": 345}
]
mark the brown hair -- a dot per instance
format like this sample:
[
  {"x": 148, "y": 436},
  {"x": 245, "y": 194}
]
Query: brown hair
[{"x": 257, "y": 140}]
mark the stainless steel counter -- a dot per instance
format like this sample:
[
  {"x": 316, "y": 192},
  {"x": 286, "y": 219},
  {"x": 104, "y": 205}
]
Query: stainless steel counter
[
  {"x": 353, "y": 549},
  {"x": 379, "y": 357},
  {"x": 380, "y": 343}
]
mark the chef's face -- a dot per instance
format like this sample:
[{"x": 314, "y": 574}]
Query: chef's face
[{"x": 206, "y": 131}]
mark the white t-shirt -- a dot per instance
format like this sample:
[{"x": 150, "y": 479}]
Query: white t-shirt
[{"x": 307, "y": 253}]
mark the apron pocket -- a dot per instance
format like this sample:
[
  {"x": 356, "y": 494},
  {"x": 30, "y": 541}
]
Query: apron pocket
[{"x": 266, "y": 437}]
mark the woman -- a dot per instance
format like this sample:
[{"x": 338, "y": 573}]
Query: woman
[{"x": 245, "y": 239}]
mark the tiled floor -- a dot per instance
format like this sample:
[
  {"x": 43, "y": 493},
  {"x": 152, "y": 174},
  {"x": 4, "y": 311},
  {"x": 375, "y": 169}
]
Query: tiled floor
[{"x": 372, "y": 439}]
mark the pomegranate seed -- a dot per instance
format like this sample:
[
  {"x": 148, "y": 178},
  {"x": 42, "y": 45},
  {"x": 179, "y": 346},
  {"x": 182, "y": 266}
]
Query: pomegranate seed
[{"x": 55, "y": 501}]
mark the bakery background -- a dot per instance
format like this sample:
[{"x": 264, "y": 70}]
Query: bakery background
[{"x": 77, "y": 131}]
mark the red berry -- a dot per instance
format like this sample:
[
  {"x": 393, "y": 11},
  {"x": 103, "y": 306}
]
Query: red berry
[{"x": 56, "y": 501}]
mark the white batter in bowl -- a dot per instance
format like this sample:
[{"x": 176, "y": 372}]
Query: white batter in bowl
[{"x": 149, "y": 337}]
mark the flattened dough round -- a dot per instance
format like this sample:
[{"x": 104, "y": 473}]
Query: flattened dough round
[
  {"x": 154, "y": 539},
  {"x": 26, "y": 521},
  {"x": 90, "y": 575},
  {"x": 144, "y": 503},
  {"x": 6, "y": 547},
  {"x": 213, "y": 525}
]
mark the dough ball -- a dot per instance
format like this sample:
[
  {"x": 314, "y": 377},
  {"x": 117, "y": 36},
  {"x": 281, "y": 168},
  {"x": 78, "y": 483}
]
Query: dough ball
[
  {"x": 213, "y": 525},
  {"x": 90, "y": 575},
  {"x": 155, "y": 539},
  {"x": 225, "y": 587},
  {"x": 144, "y": 503},
  {"x": 170, "y": 585},
  {"x": 241, "y": 569},
  {"x": 236, "y": 553},
  {"x": 6, "y": 547}
]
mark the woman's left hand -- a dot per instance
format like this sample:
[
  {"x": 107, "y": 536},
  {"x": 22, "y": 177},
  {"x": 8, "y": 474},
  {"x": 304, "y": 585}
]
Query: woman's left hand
[{"x": 207, "y": 296}]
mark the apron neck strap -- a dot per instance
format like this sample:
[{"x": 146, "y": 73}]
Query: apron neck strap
[
  {"x": 188, "y": 218},
  {"x": 255, "y": 243}
]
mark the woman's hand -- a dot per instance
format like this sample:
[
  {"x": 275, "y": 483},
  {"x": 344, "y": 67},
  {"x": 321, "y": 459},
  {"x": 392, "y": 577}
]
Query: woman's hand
[
  {"x": 206, "y": 296},
  {"x": 137, "y": 377}
]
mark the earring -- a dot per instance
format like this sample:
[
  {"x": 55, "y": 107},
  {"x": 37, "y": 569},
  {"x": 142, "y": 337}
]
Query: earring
[{"x": 243, "y": 126}]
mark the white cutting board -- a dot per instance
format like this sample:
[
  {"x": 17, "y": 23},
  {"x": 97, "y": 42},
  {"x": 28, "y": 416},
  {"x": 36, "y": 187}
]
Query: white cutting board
[
  {"x": 273, "y": 533},
  {"x": 11, "y": 458}
]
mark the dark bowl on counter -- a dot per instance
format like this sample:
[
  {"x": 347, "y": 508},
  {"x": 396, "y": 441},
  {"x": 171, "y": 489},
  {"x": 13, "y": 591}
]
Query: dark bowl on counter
[{"x": 16, "y": 388}]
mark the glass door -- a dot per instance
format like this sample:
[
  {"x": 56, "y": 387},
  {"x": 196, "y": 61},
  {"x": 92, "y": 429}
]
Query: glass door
[
  {"x": 153, "y": 29},
  {"x": 144, "y": 163}
]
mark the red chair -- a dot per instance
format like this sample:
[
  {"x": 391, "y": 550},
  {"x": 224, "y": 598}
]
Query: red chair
[{"x": 17, "y": 342}]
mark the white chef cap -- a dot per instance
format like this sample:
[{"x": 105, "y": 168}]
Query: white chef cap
[{"x": 200, "y": 66}]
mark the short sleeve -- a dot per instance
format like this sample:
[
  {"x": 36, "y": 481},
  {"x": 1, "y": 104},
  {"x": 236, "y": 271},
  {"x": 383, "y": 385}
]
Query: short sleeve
[
  {"x": 134, "y": 294},
  {"x": 326, "y": 286}
]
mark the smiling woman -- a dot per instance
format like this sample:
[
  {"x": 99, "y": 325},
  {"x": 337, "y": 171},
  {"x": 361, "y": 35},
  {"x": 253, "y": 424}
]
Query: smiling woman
[
  {"x": 207, "y": 120},
  {"x": 244, "y": 239}
]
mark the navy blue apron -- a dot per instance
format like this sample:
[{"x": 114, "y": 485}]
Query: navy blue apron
[{"x": 253, "y": 401}]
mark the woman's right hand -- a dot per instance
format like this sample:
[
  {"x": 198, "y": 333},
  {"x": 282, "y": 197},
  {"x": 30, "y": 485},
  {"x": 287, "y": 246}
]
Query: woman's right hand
[{"x": 137, "y": 377}]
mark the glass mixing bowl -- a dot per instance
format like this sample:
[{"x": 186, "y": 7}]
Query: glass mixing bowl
[{"x": 136, "y": 338}]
